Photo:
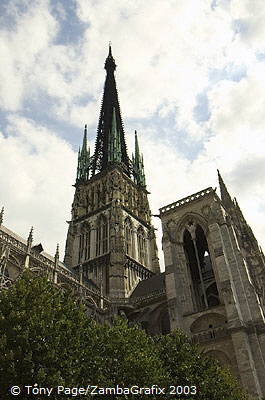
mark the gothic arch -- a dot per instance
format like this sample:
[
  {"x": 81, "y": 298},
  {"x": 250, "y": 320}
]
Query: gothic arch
[
  {"x": 200, "y": 267},
  {"x": 194, "y": 217}
]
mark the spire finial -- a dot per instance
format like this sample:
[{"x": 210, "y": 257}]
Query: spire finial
[
  {"x": 110, "y": 65},
  {"x": 1, "y": 216}
]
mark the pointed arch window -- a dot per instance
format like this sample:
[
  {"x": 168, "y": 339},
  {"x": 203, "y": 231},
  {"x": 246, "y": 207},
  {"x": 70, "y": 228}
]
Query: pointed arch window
[
  {"x": 128, "y": 237},
  {"x": 102, "y": 236},
  {"x": 204, "y": 288},
  {"x": 141, "y": 244}
]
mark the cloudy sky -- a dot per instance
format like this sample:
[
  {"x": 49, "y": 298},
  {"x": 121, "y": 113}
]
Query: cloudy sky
[{"x": 191, "y": 80}]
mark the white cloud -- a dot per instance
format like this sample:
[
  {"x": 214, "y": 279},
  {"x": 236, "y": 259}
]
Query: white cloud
[
  {"x": 164, "y": 56},
  {"x": 251, "y": 15},
  {"x": 36, "y": 173}
]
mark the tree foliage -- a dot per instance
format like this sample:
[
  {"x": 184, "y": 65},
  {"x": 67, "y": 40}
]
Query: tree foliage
[{"x": 47, "y": 338}]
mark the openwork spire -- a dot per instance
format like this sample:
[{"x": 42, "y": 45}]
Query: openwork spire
[
  {"x": 225, "y": 196},
  {"x": 138, "y": 165},
  {"x": 110, "y": 143}
]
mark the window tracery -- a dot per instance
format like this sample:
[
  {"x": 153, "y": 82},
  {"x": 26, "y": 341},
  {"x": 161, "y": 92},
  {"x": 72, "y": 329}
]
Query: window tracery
[{"x": 204, "y": 288}]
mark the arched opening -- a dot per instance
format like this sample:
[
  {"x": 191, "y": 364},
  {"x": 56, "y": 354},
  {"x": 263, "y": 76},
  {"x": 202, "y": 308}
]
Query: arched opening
[{"x": 203, "y": 284}]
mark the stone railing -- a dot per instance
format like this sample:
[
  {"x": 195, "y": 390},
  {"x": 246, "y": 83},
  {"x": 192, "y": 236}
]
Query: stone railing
[
  {"x": 210, "y": 335},
  {"x": 187, "y": 200},
  {"x": 148, "y": 297},
  {"x": 13, "y": 242}
]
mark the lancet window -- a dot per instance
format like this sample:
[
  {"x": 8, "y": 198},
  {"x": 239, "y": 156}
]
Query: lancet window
[
  {"x": 128, "y": 237},
  {"x": 141, "y": 242},
  {"x": 204, "y": 288},
  {"x": 84, "y": 244},
  {"x": 102, "y": 234}
]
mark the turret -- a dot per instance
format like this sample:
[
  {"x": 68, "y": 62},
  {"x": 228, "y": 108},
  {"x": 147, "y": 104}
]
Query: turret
[
  {"x": 83, "y": 160},
  {"x": 138, "y": 165}
]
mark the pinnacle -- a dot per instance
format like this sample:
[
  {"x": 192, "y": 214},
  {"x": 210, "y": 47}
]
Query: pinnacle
[{"x": 225, "y": 196}]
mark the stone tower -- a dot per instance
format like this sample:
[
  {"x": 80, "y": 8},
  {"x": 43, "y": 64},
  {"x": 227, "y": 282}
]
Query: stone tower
[
  {"x": 111, "y": 240},
  {"x": 215, "y": 280}
]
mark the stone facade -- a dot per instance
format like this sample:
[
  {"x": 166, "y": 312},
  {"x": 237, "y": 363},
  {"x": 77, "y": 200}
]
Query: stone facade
[{"x": 214, "y": 275}]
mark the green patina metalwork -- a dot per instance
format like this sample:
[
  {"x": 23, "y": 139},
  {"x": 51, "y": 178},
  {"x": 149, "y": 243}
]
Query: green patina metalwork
[
  {"x": 83, "y": 160},
  {"x": 138, "y": 165}
]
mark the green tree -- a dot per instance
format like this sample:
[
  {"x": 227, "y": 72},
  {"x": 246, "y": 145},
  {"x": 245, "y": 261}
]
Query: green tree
[
  {"x": 47, "y": 338},
  {"x": 187, "y": 365},
  {"x": 124, "y": 356},
  {"x": 41, "y": 334}
]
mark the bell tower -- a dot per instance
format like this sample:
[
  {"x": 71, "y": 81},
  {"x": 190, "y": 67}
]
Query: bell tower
[
  {"x": 215, "y": 273},
  {"x": 110, "y": 239}
]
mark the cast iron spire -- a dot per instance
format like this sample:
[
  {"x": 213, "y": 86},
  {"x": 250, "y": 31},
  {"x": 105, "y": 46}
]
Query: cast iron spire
[{"x": 110, "y": 143}]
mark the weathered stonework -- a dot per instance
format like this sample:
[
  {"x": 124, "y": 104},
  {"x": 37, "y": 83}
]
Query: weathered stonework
[{"x": 230, "y": 327}]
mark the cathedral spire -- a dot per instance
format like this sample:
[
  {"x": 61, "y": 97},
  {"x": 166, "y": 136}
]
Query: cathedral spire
[
  {"x": 110, "y": 143},
  {"x": 225, "y": 196},
  {"x": 138, "y": 164}
]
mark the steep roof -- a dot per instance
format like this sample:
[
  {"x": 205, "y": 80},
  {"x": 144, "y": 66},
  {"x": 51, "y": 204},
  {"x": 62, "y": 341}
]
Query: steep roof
[{"x": 148, "y": 286}]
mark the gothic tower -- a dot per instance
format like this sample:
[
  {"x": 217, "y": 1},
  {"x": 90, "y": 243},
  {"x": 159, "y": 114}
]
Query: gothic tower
[
  {"x": 215, "y": 277},
  {"x": 111, "y": 240}
]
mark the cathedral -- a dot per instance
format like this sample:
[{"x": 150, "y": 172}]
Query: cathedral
[{"x": 213, "y": 287}]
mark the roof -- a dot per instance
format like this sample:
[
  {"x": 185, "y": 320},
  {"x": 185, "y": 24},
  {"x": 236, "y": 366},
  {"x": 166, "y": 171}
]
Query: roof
[{"x": 147, "y": 286}]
